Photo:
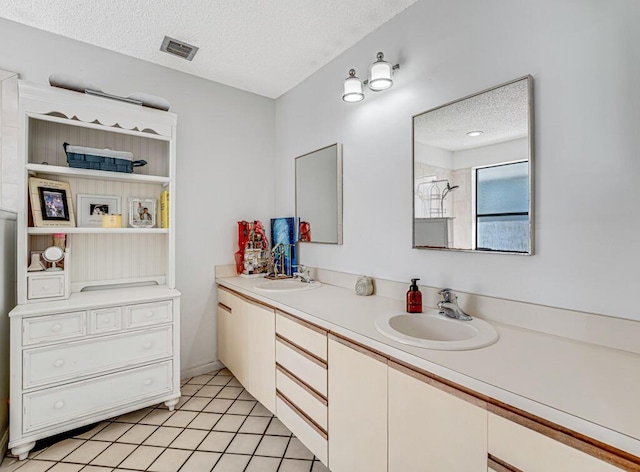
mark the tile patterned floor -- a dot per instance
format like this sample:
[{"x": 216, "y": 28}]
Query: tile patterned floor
[{"x": 217, "y": 426}]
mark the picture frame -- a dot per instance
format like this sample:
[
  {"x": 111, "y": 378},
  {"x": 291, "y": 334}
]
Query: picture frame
[
  {"x": 142, "y": 212},
  {"x": 90, "y": 209},
  {"x": 51, "y": 203}
]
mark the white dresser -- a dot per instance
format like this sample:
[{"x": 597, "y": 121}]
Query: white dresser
[{"x": 101, "y": 337}]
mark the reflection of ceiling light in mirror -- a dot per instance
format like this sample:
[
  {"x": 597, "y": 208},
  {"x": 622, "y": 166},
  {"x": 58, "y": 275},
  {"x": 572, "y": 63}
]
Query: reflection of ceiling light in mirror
[
  {"x": 352, "y": 88},
  {"x": 474, "y": 133}
]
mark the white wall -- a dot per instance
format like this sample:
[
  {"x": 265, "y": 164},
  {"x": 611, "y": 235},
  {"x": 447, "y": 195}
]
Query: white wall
[
  {"x": 514, "y": 150},
  {"x": 584, "y": 56},
  {"x": 225, "y": 159}
]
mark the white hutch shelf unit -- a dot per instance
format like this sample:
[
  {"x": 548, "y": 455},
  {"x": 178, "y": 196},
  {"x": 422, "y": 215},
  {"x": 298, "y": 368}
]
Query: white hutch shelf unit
[{"x": 101, "y": 337}]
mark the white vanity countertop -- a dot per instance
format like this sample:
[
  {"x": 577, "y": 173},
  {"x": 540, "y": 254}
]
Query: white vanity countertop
[{"x": 590, "y": 389}]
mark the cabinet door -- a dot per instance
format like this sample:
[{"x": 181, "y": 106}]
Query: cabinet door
[
  {"x": 431, "y": 429},
  {"x": 357, "y": 410},
  {"x": 531, "y": 451},
  {"x": 231, "y": 333},
  {"x": 261, "y": 354}
]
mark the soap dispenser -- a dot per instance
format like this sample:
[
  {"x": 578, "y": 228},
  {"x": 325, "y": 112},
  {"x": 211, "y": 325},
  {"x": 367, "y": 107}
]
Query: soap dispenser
[{"x": 414, "y": 298}]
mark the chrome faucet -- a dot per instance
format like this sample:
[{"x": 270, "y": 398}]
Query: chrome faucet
[
  {"x": 303, "y": 274},
  {"x": 449, "y": 305}
]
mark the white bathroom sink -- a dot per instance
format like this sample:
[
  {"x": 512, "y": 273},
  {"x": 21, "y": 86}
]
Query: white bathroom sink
[
  {"x": 435, "y": 331},
  {"x": 287, "y": 285}
]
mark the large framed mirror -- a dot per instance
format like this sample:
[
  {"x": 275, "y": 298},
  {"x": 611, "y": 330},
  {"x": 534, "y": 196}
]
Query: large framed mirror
[
  {"x": 473, "y": 172},
  {"x": 319, "y": 195}
]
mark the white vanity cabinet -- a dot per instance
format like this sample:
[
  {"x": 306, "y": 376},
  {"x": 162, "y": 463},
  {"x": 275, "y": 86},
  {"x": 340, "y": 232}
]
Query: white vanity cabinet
[
  {"x": 357, "y": 408},
  {"x": 513, "y": 447},
  {"x": 246, "y": 334},
  {"x": 101, "y": 337},
  {"x": 431, "y": 428}
]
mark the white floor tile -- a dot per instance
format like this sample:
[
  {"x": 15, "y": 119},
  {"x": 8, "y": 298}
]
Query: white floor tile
[
  {"x": 113, "y": 455},
  {"x": 200, "y": 462},
  {"x": 229, "y": 423},
  {"x": 209, "y": 391},
  {"x": 260, "y": 410},
  {"x": 134, "y": 416},
  {"x": 241, "y": 407},
  {"x": 195, "y": 404},
  {"x": 295, "y": 465},
  {"x": 157, "y": 417},
  {"x": 163, "y": 436},
  {"x": 34, "y": 465},
  {"x": 189, "y": 390},
  {"x": 232, "y": 463},
  {"x": 263, "y": 464},
  {"x": 200, "y": 380},
  {"x": 319, "y": 467},
  {"x": 218, "y": 405},
  {"x": 142, "y": 458},
  {"x": 276, "y": 428},
  {"x": 220, "y": 380},
  {"x": 244, "y": 444},
  {"x": 216, "y": 441},
  {"x": 59, "y": 450},
  {"x": 204, "y": 421},
  {"x": 66, "y": 467},
  {"x": 112, "y": 432},
  {"x": 170, "y": 461},
  {"x": 297, "y": 450},
  {"x": 92, "y": 432},
  {"x": 137, "y": 434},
  {"x": 273, "y": 446},
  {"x": 230, "y": 392},
  {"x": 189, "y": 439},
  {"x": 255, "y": 425},
  {"x": 181, "y": 419},
  {"x": 87, "y": 452}
]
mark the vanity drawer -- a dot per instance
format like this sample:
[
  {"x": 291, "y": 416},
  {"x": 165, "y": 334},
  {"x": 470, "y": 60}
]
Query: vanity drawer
[
  {"x": 305, "y": 335},
  {"x": 226, "y": 298},
  {"x": 42, "y": 329},
  {"x": 55, "y": 406},
  {"x": 304, "y": 366},
  {"x": 310, "y": 435},
  {"x": 78, "y": 359},
  {"x": 148, "y": 314},
  {"x": 105, "y": 320},
  {"x": 45, "y": 286},
  {"x": 314, "y": 406}
]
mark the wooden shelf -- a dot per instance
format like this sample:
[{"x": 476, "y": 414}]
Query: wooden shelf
[
  {"x": 35, "y": 231},
  {"x": 96, "y": 174}
]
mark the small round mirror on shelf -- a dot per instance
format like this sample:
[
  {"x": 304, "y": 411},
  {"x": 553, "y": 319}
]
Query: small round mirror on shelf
[{"x": 52, "y": 255}]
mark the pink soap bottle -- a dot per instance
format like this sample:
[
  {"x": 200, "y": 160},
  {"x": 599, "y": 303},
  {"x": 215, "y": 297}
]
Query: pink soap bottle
[{"x": 414, "y": 298}]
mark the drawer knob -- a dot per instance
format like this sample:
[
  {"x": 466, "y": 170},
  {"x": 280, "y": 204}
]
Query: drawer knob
[
  {"x": 148, "y": 314},
  {"x": 59, "y": 363},
  {"x": 148, "y": 381},
  {"x": 59, "y": 405},
  {"x": 56, "y": 327},
  {"x": 148, "y": 345}
]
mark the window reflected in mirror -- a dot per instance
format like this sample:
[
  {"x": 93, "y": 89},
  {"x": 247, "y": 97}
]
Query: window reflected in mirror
[{"x": 472, "y": 172}]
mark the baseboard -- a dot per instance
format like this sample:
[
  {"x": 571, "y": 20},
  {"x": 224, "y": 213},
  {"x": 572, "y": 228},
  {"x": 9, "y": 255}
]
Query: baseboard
[
  {"x": 4, "y": 440},
  {"x": 202, "y": 369}
]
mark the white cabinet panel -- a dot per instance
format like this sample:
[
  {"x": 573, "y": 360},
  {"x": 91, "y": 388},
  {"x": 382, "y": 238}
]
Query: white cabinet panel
[
  {"x": 57, "y": 405},
  {"x": 105, "y": 320},
  {"x": 41, "y": 329},
  {"x": 531, "y": 451},
  {"x": 309, "y": 436},
  {"x": 147, "y": 314},
  {"x": 73, "y": 360},
  {"x": 310, "y": 404},
  {"x": 261, "y": 362},
  {"x": 312, "y": 372},
  {"x": 45, "y": 285},
  {"x": 428, "y": 426},
  {"x": 307, "y": 337},
  {"x": 357, "y": 411}
]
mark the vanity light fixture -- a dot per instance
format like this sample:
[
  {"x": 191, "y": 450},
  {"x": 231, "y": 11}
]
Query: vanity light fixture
[
  {"x": 473, "y": 134},
  {"x": 380, "y": 78},
  {"x": 352, "y": 88}
]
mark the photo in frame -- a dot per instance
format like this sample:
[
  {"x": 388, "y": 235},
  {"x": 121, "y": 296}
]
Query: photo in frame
[
  {"x": 142, "y": 212},
  {"x": 51, "y": 203},
  {"x": 90, "y": 209}
]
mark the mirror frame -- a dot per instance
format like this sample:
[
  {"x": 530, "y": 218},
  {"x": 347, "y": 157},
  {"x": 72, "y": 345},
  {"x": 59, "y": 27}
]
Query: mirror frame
[
  {"x": 531, "y": 252},
  {"x": 338, "y": 196}
]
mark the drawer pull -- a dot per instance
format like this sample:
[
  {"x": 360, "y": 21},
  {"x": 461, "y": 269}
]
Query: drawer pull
[
  {"x": 59, "y": 405},
  {"x": 56, "y": 327},
  {"x": 148, "y": 314},
  {"x": 148, "y": 345},
  {"x": 148, "y": 381},
  {"x": 59, "y": 363}
]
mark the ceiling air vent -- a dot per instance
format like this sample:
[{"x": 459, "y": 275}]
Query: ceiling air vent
[{"x": 178, "y": 48}]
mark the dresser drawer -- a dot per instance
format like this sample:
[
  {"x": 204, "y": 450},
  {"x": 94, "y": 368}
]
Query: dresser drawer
[
  {"x": 50, "y": 328},
  {"x": 315, "y": 440},
  {"x": 308, "y": 369},
  {"x": 71, "y": 402},
  {"x": 73, "y": 360},
  {"x": 105, "y": 320},
  {"x": 314, "y": 406},
  {"x": 305, "y": 335},
  {"x": 45, "y": 286},
  {"x": 148, "y": 314}
]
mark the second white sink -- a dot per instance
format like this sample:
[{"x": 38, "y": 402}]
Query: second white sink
[
  {"x": 435, "y": 331},
  {"x": 286, "y": 285}
]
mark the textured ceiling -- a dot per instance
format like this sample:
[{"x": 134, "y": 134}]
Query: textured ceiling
[
  {"x": 265, "y": 47},
  {"x": 501, "y": 114}
]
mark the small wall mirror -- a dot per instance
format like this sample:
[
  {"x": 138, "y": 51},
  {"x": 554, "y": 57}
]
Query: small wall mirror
[
  {"x": 319, "y": 195},
  {"x": 473, "y": 172}
]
